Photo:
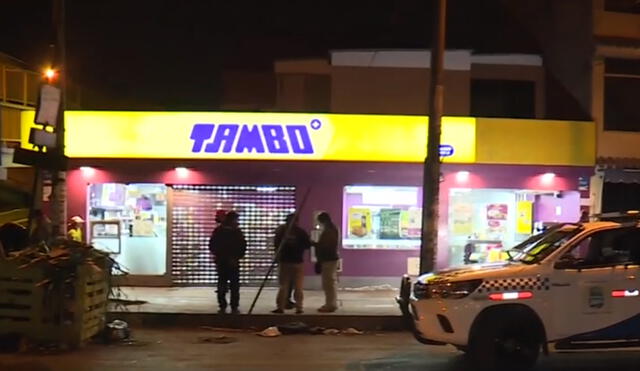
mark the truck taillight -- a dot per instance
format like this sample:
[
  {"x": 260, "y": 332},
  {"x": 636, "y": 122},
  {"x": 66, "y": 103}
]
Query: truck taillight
[
  {"x": 511, "y": 295},
  {"x": 624, "y": 293}
]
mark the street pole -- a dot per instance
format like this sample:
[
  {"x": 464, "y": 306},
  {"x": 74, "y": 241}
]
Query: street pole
[
  {"x": 431, "y": 172},
  {"x": 59, "y": 192}
]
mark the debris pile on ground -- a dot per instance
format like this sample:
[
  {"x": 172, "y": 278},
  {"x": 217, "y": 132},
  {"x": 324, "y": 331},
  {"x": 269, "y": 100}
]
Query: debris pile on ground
[
  {"x": 331, "y": 331},
  {"x": 270, "y": 332},
  {"x": 225, "y": 329},
  {"x": 221, "y": 339},
  {"x": 60, "y": 261},
  {"x": 294, "y": 328},
  {"x": 385, "y": 287},
  {"x": 62, "y": 277},
  {"x": 352, "y": 331}
]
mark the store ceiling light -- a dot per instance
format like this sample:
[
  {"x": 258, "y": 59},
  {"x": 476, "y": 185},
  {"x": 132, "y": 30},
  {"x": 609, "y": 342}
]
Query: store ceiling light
[
  {"x": 548, "y": 177},
  {"x": 87, "y": 171},
  {"x": 182, "y": 172},
  {"x": 462, "y": 176},
  {"x": 266, "y": 189}
]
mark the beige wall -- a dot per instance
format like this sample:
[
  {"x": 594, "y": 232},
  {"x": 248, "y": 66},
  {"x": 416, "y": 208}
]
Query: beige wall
[
  {"x": 610, "y": 143},
  {"x": 386, "y": 90},
  {"x": 10, "y": 122},
  {"x": 517, "y": 73},
  {"x": 290, "y": 92},
  {"x": 248, "y": 90},
  {"x": 615, "y": 25}
]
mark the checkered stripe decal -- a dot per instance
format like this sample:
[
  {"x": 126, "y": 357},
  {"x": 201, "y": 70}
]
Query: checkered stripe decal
[{"x": 515, "y": 284}]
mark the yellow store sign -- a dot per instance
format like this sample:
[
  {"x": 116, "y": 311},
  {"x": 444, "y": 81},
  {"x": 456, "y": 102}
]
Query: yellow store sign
[{"x": 259, "y": 136}]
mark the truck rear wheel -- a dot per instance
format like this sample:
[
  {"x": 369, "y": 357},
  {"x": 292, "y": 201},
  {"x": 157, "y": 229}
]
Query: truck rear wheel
[{"x": 506, "y": 340}]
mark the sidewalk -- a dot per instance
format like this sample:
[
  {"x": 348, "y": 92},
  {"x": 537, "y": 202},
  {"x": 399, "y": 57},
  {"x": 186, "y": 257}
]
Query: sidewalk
[{"x": 371, "y": 301}]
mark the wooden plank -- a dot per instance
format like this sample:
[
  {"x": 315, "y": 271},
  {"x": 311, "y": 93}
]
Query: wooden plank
[
  {"x": 13, "y": 292},
  {"x": 99, "y": 290},
  {"x": 16, "y": 285},
  {"x": 27, "y": 301},
  {"x": 15, "y": 313},
  {"x": 96, "y": 322},
  {"x": 90, "y": 332},
  {"x": 91, "y": 302},
  {"x": 14, "y": 270}
]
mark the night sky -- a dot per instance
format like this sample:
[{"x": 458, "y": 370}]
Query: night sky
[{"x": 171, "y": 54}]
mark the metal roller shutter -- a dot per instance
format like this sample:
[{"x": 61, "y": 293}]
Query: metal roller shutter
[{"x": 261, "y": 210}]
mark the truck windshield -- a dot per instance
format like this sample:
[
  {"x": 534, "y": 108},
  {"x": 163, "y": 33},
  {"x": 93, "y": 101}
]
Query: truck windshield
[{"x": 538, "y": 247}]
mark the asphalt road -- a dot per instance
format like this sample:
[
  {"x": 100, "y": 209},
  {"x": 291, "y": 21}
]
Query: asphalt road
[{"x": 185, "y": 350}]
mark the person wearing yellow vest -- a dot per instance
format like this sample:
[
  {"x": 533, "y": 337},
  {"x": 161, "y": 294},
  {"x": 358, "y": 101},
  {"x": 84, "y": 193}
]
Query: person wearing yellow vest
[{"x": 75, "y": 229}]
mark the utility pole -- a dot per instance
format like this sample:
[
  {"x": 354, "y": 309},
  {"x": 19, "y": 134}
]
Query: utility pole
[
  {"x": 58, "y": 176},
  {"x": 431, "y": 172}
]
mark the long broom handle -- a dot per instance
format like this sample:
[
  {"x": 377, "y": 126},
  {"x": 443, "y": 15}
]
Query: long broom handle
[{"x": 277, "y": 254}]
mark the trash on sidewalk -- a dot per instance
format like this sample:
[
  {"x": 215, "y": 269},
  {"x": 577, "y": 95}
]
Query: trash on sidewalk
[
  {"x": 294, "y": 328},
  {"x": 352, "y": 331},
  {"x": 385, "y": 287},
  {"x": 331, "y": 331},
  {"x": 224, "y": 329},
  {"x": 222, "y": 339},
  {"x": 270, "y": 332},
  {"x": 117, "y": 330},
  {"x": 316, "y": 330}
]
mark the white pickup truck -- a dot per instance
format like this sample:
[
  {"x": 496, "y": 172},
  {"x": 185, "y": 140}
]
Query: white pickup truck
[{"x": 574, "y": 287}]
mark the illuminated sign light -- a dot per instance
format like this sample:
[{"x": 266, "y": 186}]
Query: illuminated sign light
[
  {"x": 446, "y": 150},
  {"x": 511, "y": 295},
  {"x": 235, "y": 138},
  {"x": 259, "y": 136},
  {"x": 625, "y": 293}
]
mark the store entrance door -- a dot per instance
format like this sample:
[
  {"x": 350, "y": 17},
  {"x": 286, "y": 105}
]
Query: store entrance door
[{"x": 193, "y": 208}]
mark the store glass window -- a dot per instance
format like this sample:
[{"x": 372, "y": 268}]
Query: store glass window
[
  {"x": 483, "y": 223},
  {"x": 381, "y": 217},
  {"x": 130, "y": 222}
]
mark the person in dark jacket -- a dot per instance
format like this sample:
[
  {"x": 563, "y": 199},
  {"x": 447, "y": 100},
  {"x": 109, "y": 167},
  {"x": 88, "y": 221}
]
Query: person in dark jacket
[
  {"x": 228, "y": 245},
  {"x": 291, "y": 242},
  {"x": 326, "y": 249}
]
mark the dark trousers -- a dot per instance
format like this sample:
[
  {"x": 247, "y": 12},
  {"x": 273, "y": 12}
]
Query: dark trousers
[{"x": 228, "y": 278}]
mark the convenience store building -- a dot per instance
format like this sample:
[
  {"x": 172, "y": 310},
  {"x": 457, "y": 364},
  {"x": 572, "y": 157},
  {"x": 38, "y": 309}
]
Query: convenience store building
[{"x": 149, "y": 184}]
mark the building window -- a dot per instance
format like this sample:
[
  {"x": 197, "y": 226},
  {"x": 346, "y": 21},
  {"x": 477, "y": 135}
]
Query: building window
[
  {"x": 484, "y": 223},
  {"x": 381, "y": 217},
  {"x": 622, "y": 6},
  {"x": 621, "y": 91},
  {"x": 130, "y": 222},
  {"x": 503, "y": 98}
]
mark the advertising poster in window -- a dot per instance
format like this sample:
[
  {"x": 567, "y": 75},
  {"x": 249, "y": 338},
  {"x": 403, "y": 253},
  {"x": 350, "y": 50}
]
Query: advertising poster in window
[
  {"x": 497, "y": 220},
  {"x": 524, "y": 216},
  {"x": 359, "y": 222},
  {"x": 462, "y": 214},
  {"x": 411, "y": 223},
  {"x": 390, "y": 224},
  {"x": 381, "y": 217}
]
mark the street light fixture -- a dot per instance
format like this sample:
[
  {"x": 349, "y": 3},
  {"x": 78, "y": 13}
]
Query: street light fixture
[{"x": 50, "y": 74}]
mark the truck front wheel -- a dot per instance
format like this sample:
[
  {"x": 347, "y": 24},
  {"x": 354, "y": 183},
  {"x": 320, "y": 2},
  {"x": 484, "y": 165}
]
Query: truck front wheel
[{"x": 506, "y": 340}]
